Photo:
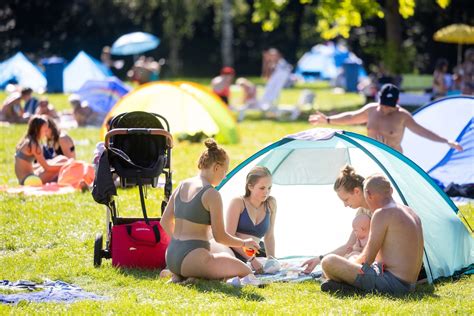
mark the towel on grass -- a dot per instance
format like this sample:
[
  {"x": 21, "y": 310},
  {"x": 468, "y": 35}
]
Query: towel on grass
[
  {"x": 291, "y": 271},
  {"x": 49, "y": 291}
]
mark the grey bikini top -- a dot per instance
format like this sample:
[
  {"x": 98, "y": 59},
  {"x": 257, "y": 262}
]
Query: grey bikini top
[{"x": 193, "y": 210}]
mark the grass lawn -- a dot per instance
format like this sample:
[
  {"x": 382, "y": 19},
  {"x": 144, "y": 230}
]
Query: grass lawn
[{"x": 52, "y": 238}]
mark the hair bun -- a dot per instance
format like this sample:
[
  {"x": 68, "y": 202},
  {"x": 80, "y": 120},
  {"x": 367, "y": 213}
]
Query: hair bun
[
  {"x": 210, "y": 144},
  {"x": 348, "y": 170}
]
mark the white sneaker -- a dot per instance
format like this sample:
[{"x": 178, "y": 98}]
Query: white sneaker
[{"x": 235, "y": 281}]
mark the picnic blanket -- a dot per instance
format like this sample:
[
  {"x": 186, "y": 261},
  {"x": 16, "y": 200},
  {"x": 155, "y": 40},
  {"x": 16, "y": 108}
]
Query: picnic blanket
[
  {"x": 49, "y": 291},
  {"x": 291, "y": 271},
  {"x": 46, "y": 189}
]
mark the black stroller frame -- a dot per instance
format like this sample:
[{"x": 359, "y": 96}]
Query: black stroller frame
[{"x": 138, "y": 151}]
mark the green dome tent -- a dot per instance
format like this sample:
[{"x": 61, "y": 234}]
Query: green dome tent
[{"x": 312, "y": 220}]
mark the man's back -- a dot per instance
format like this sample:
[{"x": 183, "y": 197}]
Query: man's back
[{"x": 402, "y": 248}]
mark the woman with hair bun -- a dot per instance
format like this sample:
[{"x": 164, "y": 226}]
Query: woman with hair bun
[
  {"x": 349, "y": 187},
  {"x": 192, "y": 214}
]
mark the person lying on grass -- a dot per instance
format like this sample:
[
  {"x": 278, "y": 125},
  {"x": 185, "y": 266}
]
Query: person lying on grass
[
  {"x": 193, "y": 212},
  {"x": 392, "y": 259}
]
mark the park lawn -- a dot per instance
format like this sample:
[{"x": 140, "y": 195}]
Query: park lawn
[{"x": 52, "y": 238}]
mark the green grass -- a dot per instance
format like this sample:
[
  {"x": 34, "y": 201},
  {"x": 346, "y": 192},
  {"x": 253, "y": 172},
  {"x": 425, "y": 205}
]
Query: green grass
[{"x": 52, "y": 238}]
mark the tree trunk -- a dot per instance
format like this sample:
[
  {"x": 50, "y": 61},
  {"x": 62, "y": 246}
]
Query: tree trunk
[
  {"x": 393, "y": 32},
  {"x": 227, "y": 34},
  {"x": 174, "y": 60}
]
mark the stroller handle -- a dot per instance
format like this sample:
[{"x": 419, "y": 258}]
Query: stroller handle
[{"x": 150, "y": 131}]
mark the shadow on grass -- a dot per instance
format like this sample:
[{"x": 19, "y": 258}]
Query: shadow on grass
[
  {"x": 245, "y": 293},
  {"x": 422, "y": 291},
  {"x": 204, "y": 286}
]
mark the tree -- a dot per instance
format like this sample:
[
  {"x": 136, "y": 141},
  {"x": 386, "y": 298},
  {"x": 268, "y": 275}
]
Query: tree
[{"x": 338, "y": 17}]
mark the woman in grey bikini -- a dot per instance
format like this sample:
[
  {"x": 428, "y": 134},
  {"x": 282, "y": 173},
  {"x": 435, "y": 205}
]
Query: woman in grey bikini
[
  {"x": 194, "y": 211},
  {"x": 29, "y": 149}
]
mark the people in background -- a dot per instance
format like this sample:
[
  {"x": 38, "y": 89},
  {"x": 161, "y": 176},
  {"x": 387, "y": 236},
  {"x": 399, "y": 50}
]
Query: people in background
[
  {"x": 83, "y": 113},
  {"x": 12, "y": 109},
  {"x": 221, "y": 84},
  {"x": 249, "y": 91},
  {"x": 442, "y": 81},
  {"x": 46, "y": 108}
]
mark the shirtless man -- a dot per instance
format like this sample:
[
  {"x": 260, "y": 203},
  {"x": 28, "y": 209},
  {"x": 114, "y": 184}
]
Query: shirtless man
[
  {"x": 391, "y": 261},
  {"x": 386, "y": 121},
  {"x": 12, "y": 110}
]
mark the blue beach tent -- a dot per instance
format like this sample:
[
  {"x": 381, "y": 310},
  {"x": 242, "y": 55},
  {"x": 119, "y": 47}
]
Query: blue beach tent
[
  {"x": 451, "y": 118},
  {"x": 326, "y": 62},
  {"x": 102, "y": 95},
  {"x": 312, "y": 220},
  {"x": 18, "y": 69},
  {"x": 82, "y": 68}
]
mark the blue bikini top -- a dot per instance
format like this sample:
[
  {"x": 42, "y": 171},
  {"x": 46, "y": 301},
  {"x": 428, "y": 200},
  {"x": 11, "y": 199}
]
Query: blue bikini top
[{"x": 246, "y": 226}]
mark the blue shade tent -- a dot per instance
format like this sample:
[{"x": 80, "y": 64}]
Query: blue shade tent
[
  {"x": 451, "y": 118},
  {"x": 103, "y": 94},
  {"x": 82, "y": 68},
  {"x": 325, "y": 62},
  {"x": 312, "y": 220},
  {"x": 18, "y": 69}
]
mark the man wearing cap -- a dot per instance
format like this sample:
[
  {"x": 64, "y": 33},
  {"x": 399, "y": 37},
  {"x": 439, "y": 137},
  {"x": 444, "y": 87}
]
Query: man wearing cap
[
  {"x": 386, "y": 121},
  {"x": 221, "y": 84}
]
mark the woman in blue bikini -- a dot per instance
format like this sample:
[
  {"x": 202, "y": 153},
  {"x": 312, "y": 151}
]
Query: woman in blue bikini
[
  {"x": 29, "y": 149},
  {"x": 253, "y": 216}
]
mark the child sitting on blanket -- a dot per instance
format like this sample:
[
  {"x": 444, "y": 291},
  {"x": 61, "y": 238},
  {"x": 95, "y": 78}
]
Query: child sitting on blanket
[{"x": 361, "y": 226}]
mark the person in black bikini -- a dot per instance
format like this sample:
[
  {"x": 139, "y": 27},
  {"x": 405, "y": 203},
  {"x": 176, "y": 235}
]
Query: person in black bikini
[
  {"x": 29, "y": 149},
  {"x": 193, "y": 212},
  {"x": 253, "y": 216},
  {"x": 58, "y": 142}
]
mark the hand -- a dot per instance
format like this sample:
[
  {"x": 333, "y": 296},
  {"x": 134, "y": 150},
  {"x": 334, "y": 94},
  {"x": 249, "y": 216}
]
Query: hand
[
  {"x": 257, "y": 266},
  {"x": 317, "y": 118},
  {"x": 310, "y": 265},
  {"x": 250, "y": 243},
  {"x": 455, "y": 145}
]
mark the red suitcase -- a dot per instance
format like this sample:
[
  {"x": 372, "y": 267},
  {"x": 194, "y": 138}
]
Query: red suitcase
[{"x": 135, "y": 245}]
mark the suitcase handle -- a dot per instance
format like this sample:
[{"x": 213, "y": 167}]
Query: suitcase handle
[{"x": 145, "y": 242}]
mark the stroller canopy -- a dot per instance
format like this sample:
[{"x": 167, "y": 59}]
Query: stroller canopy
[{"x": 312, "y": 220}]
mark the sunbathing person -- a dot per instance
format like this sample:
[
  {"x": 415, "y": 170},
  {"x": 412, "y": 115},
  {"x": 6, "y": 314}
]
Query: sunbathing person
[
  {"x": 361, "y": 227},
  {"x": 46, "y": 108},
  {"x": 29, "y": 149},
  {"x": 12, "y": 110},
  {"x": 58, "y": 142},
  {"x": 194, "y": 210},
  {"x": 392, "y": 259},
  {"x": 349, "y": 188},
  {"x": 253, "y": 216}
]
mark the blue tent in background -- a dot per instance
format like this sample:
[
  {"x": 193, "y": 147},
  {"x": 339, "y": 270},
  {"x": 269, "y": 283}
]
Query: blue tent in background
[
  {"x": 82, "y": 68},
  {"x": 313, "y": 220},
  {"x": 451, "y": 118},
  {"x": 325, "y": 62},
  {"x": 103, "y": 94},
  {"x": 18, "y": 69}
]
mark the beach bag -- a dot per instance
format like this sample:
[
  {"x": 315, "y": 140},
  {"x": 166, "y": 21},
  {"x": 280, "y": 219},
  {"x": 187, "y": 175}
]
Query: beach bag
[{"x": 139, "y": 245}]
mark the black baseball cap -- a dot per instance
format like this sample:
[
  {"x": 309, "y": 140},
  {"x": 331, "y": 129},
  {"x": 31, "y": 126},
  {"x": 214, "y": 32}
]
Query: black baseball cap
[{"x": 388, "y": 95}]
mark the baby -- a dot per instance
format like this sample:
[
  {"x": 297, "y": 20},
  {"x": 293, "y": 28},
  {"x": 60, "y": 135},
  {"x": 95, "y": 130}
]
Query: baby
[{"x": 361, "y": 226}]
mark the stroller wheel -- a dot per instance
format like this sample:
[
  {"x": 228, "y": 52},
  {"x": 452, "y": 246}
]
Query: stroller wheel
[{"x": 98, "y": 250}]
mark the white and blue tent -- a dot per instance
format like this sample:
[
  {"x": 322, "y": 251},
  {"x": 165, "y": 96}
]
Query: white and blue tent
[
  {"x": 312, "y": 220},
  {"x": 325, "y": 62},
  {"x": 18, "y": 69},
  {"x": 81, "y": 69},
  {"x": 453, "y": 119}
]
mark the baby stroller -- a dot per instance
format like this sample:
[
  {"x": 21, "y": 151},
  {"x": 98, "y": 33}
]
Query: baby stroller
[{"x": 138, "y": 151}]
